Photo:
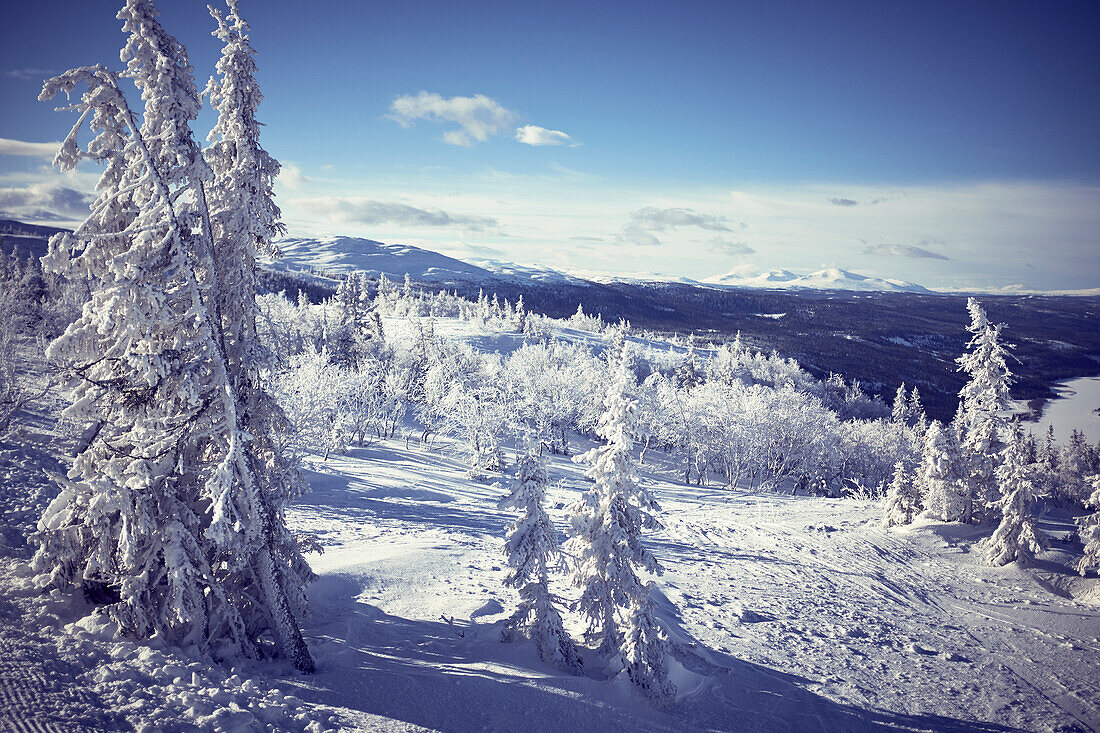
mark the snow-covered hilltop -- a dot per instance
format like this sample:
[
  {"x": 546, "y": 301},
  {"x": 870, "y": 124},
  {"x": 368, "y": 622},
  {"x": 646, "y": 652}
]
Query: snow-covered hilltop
[
  {"x": 355, "y": 254},
  {"x": 831, "y": 278}
]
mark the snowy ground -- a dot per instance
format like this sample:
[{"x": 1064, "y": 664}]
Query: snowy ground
[{"x": 788, "y": 614}]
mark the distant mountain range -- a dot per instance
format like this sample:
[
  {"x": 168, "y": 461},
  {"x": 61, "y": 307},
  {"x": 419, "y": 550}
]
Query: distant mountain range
[
  {"x": 347, "y": 254},
  {"x": 831, "y": 278}
]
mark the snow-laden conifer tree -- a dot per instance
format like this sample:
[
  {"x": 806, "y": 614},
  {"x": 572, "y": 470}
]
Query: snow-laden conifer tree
[
  {"x": 983, "y": 403},
  {"x": 249, "y": 523},
  {"x": 606, "y": 542},
  {"x": 687, "y": 373},
  {"x": 1088, "y": 527},
  {"x": 940, "y": 479},
  {"x": 903, "y": 498},
  {"x": 140, "y": 363},
  {"x": 901, "y": 413},
  {"x": 1016, "y": 538},
  {"x": 158, "y": 504},
  {"x": 532, "y": 547},
  {"x": 916, "y": 410}
]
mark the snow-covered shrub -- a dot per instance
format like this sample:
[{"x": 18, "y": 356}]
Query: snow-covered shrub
[{"x": 1089, "y": 529}]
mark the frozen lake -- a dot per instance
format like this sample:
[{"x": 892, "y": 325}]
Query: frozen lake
[{"x": 1075, "y": 408}]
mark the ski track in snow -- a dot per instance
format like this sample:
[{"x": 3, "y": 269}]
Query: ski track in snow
[{"x": 796, "y": 613}]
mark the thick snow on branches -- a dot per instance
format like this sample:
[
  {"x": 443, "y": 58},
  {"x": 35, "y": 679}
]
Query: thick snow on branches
[
  {"x": 1089, "y": 529},
  {"x": 982, "y": 422},
  {"x": 607, "y": 527},
  {"x": 1016, "y": 539},
  {"x": 532, "y": 548},
  {"x": 174, "y": 504}
]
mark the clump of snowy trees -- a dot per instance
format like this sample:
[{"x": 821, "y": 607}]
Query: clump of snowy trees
[
  {"x": 981, "y": 468},
  {"x": 606, "y": 549},
  {"x": 729, "y": 415},
  {"x": 172, "y": 514}
]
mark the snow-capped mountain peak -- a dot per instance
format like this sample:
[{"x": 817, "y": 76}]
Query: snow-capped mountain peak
[{"x": 831, "y": 278}]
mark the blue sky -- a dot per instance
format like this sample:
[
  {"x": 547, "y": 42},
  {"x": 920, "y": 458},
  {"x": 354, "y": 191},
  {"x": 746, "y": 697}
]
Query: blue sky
[{"x": 952, "y": 144}]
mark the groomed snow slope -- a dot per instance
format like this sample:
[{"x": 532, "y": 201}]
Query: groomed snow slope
[{"x": 789, "y": 613}]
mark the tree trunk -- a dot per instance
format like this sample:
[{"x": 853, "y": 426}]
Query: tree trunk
[{"x": 290, "y": 640}]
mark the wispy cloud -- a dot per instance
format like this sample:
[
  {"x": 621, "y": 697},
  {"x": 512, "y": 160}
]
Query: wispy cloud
[
  {"x": 660, "y": 220},
  {"x": 46, "y": 151},
  {"x": 478, "y": 117},
  {"x": 843, "y": 202},
  {"x": 643, "y": 222},
  {"x": 902, "y": 250},
  {"x": 535, "y": 135},
  {"x": 729, "y": 247},
  {"x": 358, "y": 210},
  {"x": 634, "y": 234},
  {"x": 44, "y": 202},
  {"x": 35, "y": 74}
]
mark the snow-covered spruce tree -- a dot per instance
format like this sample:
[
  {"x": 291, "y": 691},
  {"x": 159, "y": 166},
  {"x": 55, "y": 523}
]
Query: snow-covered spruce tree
[
  {"x": 1088, "y": 527},
  {"x": 903, "y": 498},
  {"x": 143, "y": 522},
  {"x": 983, "y": 403},
  {"x": 531, "y": 546},
  {"x": 940, "y": 479},
  {"x": 606, "y": 542},
  {"x": 1015, "y": 538},
  {"x": 901, "y": 413},
  {"x": 265, "y": 565}
]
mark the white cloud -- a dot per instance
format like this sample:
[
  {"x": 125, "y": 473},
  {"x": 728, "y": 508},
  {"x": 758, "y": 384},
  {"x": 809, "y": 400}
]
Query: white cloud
[
  {"x": 535, "y": 135},
  {"x": 360, "y": 210},
  {"x": 652, "y": 219},
  {"x": 292, "y": 177},
  {"x": 46, "y": 151},
  {"x": 634, "y": 234},
  {"x": 659, "y": 220},
  {"x": 903, "y": 250},
  {"x": 44, "y": 202},
  {"x": 478, "y": 117},
  {"x": 729, "y": 247}
]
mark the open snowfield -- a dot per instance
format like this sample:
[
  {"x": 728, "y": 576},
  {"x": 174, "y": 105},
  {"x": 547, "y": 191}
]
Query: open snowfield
[{"x": 787, "y": 613}]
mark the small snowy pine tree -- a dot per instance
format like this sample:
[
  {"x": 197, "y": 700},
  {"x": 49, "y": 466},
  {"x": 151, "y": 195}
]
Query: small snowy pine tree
[
  {"x": 1088, "y": 527},
  {"x": 940, "y": 480},
  {"x": 531, "y": 545},
  {"x": 900, "y": 412},
  {"x": 902, "y": 498},
  {"x": 606, "y": 541},
  {"x": 1016, "y": 538}
]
